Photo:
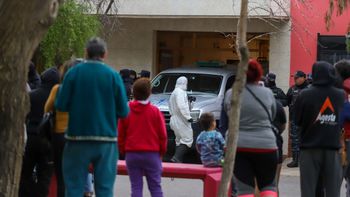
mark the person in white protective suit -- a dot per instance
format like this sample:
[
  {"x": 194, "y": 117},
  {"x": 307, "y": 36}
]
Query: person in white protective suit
[{"x": 180, "y": 120}]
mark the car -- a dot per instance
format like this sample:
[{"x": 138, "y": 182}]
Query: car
[{"x": 206, "y": 89}]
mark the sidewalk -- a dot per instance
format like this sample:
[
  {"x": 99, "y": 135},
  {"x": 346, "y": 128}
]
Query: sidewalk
[
  {"x": 290, "y": 180},
  {"x": 289, "y": 185},
  {"x": 289, "y": 171}
]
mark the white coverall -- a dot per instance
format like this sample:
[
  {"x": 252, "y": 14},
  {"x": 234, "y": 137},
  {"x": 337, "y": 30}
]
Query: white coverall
[{"x": 180, "y": 113}]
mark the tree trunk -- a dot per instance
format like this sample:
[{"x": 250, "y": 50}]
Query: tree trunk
[
  {"x": 237, "y": 88},
  {"x": 23, "y": 24}
]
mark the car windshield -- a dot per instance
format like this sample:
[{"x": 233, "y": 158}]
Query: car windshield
[{"x": 197, "y": 83}]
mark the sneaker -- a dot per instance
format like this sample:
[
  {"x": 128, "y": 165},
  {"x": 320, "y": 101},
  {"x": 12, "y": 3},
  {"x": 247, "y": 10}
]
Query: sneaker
[
  {"x": 88, "y": 194},
  {"x": 174, "y": 160}
]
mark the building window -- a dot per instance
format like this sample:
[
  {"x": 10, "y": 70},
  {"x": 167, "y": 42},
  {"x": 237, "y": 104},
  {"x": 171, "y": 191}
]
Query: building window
[
  {"x": 206, "y": 49},
  {"x": 331, "y": 48}
]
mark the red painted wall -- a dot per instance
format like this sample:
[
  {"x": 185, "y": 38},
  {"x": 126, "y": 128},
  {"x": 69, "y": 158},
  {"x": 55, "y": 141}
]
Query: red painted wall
[{"x": 307, "y": 20}]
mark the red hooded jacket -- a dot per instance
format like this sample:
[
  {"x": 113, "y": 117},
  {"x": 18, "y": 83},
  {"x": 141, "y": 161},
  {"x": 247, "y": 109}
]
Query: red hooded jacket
[{"x": 142, "y": 130}]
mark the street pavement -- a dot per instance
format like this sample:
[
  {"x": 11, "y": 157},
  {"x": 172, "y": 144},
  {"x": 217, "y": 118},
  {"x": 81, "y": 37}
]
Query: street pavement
[{"x": 289, "y": 185}]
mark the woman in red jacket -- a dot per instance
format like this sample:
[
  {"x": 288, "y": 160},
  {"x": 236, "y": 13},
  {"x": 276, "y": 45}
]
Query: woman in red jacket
[{"x": 143, "y": 139}]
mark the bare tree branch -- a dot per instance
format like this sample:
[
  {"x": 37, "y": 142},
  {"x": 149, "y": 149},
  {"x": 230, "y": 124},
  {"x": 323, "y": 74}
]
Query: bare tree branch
[
  {"x": 107, "y": 11},
  {"x": 98, "y": 6},
  {"x": 339, "y": 6},
  {"x": 109, "y": 6}
]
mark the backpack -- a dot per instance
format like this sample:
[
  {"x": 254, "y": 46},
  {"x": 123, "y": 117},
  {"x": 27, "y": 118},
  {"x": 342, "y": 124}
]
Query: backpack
[{"x": 47, "y": 125}]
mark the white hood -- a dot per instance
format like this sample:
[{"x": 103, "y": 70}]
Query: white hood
[{"x": 181, "y": 82}]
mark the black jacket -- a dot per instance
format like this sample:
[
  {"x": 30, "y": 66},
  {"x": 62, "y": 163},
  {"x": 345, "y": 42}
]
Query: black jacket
[
  {"x": 279, "y": 95},
  {"x": 127, "y": 80},
  {"x": 318, "y": 109},
  {"x": 33, "y": 77},
  {"x": 38, "y": 99},
  {"x": 280, "y": 118},
  {"x": 292, "y": 96},
  {"x": 278, "y": 122}
]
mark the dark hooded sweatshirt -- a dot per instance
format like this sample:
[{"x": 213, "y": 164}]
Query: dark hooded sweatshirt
[
  {"x": 38, "y": 99},
  {"x": 33, "y": 77},
  {"x": 125, "y": 74},
  {"x": 318, "y": 110}
]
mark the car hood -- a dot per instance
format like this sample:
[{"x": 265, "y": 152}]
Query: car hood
[{"x": 162, "y": 100}]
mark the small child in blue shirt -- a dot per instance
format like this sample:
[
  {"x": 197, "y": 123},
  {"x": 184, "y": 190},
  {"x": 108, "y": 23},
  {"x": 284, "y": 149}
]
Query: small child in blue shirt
[{"x": 210, "y": 143}]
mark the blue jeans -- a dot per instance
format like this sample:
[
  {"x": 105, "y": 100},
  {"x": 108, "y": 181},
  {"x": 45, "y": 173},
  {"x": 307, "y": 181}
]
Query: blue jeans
[
  {"x": 148, "y": 164},
  {"x": 77, "y": 156}
]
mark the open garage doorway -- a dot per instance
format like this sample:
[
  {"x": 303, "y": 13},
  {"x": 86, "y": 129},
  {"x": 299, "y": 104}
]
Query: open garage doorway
[{"x": 210, "y": 49}]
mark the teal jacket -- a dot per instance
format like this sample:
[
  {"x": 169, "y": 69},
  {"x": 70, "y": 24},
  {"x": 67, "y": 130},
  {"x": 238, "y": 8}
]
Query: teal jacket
[{"x": 94, "y": 96}]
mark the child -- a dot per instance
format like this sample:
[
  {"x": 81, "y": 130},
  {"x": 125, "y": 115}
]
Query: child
[
  {"x": 210, "y": 143},
  {"x": 143, "y": 140}
]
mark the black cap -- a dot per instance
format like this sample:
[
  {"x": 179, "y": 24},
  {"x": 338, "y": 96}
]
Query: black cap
[
  {"x": 145, "y": 73},
  {"x": 124, "y": 73},
  {"x": 299, "y": 73},
  {"x": 271, "y": 77}
]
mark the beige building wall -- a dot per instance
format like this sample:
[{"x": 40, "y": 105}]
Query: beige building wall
[
  {"x": 201, "y": 7},
  {"x": 280, "y": 56},
  {"x": 133, "y": 45}
]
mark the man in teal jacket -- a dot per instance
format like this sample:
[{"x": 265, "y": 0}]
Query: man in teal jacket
[{"x": 94, "y": 96}]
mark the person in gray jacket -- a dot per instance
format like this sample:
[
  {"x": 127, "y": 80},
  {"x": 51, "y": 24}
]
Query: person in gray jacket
[{"x": 256, "y": 158}]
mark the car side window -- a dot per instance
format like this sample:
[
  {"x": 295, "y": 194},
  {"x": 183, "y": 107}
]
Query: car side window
[
  {"x": 159, "y": 84},
  {"x": 164, "y": 84}
]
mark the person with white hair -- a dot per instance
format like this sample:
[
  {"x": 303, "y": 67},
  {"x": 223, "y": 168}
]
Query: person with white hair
[{"x": 180, "y": 121}]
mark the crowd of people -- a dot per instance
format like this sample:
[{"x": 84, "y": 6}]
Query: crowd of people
[
  {"x": 100, "y": 114},
  {"x": 318, "y": 112},
  {"x": 86, "y": 110}
]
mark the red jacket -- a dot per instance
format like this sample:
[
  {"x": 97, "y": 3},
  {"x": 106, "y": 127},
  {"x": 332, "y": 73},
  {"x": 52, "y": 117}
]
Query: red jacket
[
  {"x": 347, "y": 130},
  {"x": 142, "y": 130}
]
